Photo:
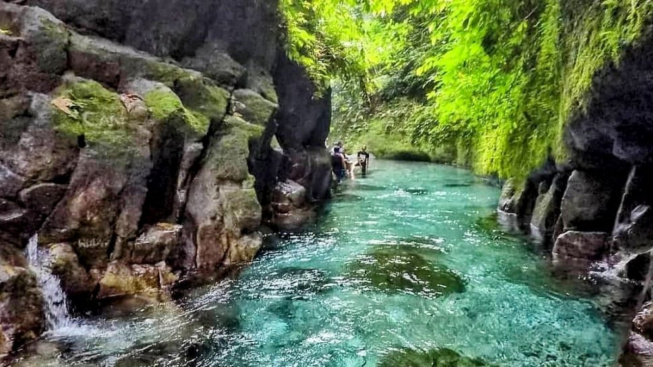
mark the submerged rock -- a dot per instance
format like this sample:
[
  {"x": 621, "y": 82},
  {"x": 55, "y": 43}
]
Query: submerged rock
[
  {"x": 432, "y": 358},
  {"x": 397, "y": 269}
]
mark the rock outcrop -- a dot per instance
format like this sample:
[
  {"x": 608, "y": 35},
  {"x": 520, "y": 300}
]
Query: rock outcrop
[
  {"x": 599, "y": 218},
  {"x": 145, "y": 147}
]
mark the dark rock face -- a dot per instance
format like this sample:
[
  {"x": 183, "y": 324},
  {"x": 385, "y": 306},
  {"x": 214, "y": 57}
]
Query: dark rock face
[
  {"x": 245, "y": 30},
  {"x": 605, "y": 218},
  {"x": 580, "y": 248},
  {"x": 547, "y": 209},
  {"x": 21, "y": 313},
  {"x": 616, "y": 126},
  {"x": 140, "y": 142},
  {"x": 300, "y": 127},
  {"x": 298, "y": 102},
  {"x": 591, "y": 201},
  {"x": 633, "y": 230}
]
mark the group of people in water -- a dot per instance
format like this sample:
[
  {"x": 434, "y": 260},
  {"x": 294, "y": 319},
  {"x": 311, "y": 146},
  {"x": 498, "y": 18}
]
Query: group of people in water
[{"x": 342, "y": 164}]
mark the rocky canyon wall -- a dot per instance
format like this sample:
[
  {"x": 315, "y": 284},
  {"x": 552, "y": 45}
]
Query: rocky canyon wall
[
  {"x": 145, "y": 144},
  {"x": 594, "y": 212}
]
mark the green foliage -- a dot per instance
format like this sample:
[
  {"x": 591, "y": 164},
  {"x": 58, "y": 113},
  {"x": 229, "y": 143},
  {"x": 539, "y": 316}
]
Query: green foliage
[{"x": 487, "y": 83}]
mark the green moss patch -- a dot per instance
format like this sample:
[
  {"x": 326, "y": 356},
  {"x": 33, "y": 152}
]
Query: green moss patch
[
  {"x": 431, "y": 358},
  {"x": 98, "y": 115},
  {"x": 229, "y": 150},
  {"x": 164, "y": 105},
  {"x": 404, "y": 269},
  {"x": 203, "y": 97}
]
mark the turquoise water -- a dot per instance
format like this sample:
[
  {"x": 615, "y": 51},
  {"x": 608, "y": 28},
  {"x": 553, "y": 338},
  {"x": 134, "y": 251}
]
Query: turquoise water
[{"x": 406, "y": 258}]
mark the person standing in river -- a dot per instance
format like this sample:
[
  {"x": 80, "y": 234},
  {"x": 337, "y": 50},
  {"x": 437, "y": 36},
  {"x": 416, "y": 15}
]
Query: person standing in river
[
  {"x": 338, "y": 164},
  {"x": 364, "y": 160}
]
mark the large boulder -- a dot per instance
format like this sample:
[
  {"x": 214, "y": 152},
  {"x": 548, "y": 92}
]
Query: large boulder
[
  {"x": 147, "y": 281},
  {"x": 64, "y": 263},
  {"x": 33, "y": 52},
  {"x": 21, "y": 302},
  {"x": 32, "y": 151},
  {"x": 155, "y": 244},
  {"x": 222, "y": 211},
  {"x": 516, "y": 203},
  {"x": 638, "y": 350},
  {"x": 252, "y": 107},
  {"x": 579, "y": 249},
  {"x": 289, "y": 204},
  {"x": 591, "y": 200}
]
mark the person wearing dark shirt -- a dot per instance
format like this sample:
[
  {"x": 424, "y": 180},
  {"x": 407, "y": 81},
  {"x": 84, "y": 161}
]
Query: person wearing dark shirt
[
  {"x": 338, "y": 164},
  {"x": 364, "y": 160}
]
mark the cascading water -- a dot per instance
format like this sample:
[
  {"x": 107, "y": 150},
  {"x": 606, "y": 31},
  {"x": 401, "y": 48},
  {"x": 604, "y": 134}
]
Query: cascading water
[{"x": 56, "y": 303}]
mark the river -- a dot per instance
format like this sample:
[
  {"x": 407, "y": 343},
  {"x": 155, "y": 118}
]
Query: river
[{"x": 405, "y": 266}]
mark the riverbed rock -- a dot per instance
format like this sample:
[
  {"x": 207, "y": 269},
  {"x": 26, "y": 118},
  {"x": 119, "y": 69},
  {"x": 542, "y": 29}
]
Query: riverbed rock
[
  {"x": 638, "y": 350},
  {"x": 398, "y": 269},
  {"x": 75, "y": 280},
  {"x": 591, "y": 201},
  {"x": 579, "y": 249},
  {"x": 147, "y": 281},
  {"x": 426, "y": 358}
]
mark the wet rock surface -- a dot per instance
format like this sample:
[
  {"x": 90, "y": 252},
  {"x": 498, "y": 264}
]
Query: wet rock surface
[
  {"x": 402, "y": 269},
  {"x": 138, "y": 145},
  {"x": 431, "y": 358}
]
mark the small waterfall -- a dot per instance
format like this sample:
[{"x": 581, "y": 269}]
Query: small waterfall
[{"x": 56, "y": 303}]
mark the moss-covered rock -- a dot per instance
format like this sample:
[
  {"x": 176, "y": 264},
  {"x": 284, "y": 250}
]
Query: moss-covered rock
[
  {"x": 203, "y": 97},
  {"x": 222, "y": 211},
  {"x": 228, "y": 154},
  {"x": 431, "y": 358},
  {"x": 97, "y": 116},
  {"x": 123, "y": 280},
  {"x": 252, "y": 106},
  {"x": 402, "y": 269}
]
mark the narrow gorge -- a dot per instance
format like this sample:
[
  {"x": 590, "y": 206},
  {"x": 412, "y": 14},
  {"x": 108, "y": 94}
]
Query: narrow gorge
[{"x": 168, "y": 195}]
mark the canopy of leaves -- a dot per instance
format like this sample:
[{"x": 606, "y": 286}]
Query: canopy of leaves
[{"x": 486, "y": 83}]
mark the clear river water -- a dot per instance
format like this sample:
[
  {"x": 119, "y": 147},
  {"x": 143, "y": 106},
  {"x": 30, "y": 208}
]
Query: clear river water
[{"x": 405, "y": 268}]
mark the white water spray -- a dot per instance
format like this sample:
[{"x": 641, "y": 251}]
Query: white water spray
[{"x": 56, "y": 303}]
